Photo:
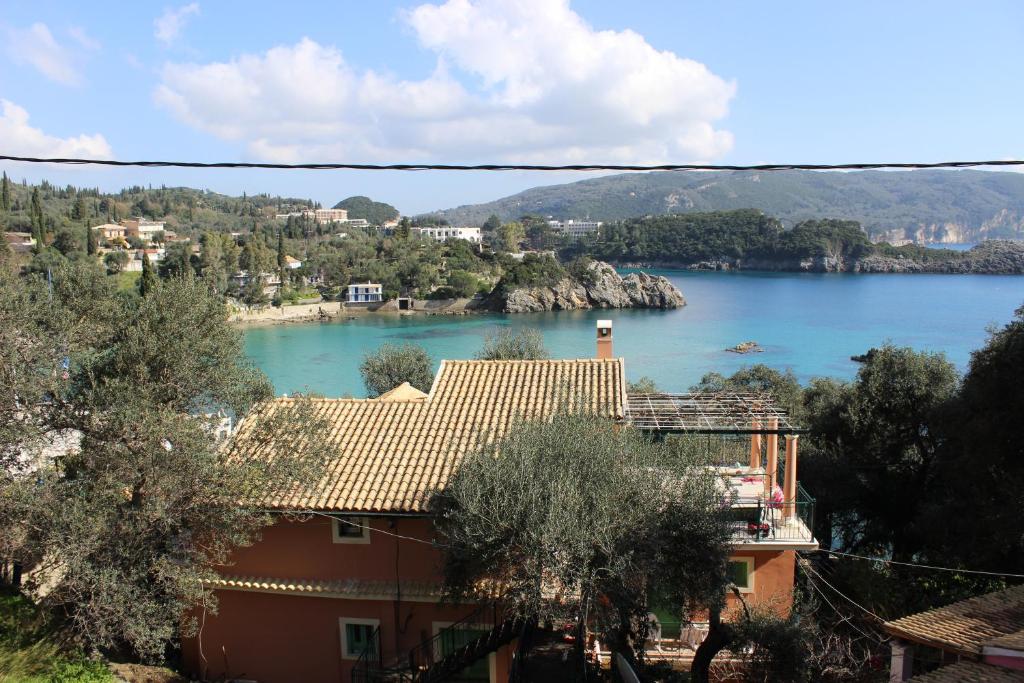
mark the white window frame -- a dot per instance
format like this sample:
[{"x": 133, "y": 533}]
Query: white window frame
[
  {"x": 362, "y": 539},
  {"x": 356, "y": 621},
  {"x": 749, "y": 561}
]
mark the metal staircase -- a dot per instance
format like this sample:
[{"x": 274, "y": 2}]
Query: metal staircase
[{"x": 448, "y": 654}]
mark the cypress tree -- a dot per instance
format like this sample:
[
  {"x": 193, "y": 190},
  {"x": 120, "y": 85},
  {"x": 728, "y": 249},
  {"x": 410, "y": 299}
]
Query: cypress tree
[
  {"x": 91, "y": 246},
  {"x": 280, "y": 251},
  {"x": 5, "y": 193},
  {"x": 147, "y": 283}
]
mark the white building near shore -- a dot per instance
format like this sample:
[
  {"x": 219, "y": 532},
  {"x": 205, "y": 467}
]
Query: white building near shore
[
  {"x": 365, "y": 293},
  {"x": 574, "y": 228}
]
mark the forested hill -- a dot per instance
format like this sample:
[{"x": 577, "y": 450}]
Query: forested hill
[
  {"x": 185, "y": 210},
  {"x": 926, "y": 206},
  {"x": 377, "y": 213}
]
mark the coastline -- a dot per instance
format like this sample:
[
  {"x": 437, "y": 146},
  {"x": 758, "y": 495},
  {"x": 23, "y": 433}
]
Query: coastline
[{"x": 336, "y": 311}]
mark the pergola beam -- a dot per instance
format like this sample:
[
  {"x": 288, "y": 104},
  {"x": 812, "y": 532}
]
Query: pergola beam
[{"x": 719, "y": 412}]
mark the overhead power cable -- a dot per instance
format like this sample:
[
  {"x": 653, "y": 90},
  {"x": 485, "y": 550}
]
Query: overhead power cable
[
  {"x": 927, "y": 566},
  {"x": 515, "y": 167}
]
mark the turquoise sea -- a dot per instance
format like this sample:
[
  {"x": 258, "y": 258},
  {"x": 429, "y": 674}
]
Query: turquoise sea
[{"x": 811, "y": 323}]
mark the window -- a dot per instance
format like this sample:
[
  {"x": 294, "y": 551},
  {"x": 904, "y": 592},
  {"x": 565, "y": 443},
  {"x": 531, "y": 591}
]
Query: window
[
  {"x": 350, "y": 529},
  {"x": 358, "y": 635},
  {"x": 741, "y": 573}
]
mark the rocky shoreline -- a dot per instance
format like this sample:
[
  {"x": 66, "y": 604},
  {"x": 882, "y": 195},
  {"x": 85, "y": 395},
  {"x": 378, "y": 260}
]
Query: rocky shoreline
[
  {"x": 993, "y": 257},
  {"x": 603, "y": 287}
]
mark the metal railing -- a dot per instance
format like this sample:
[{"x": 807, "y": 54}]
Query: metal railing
[
  {"x": 450, "y": 640},
  {"x": 763, "y": 520},
  {"x": 370, "y": 663}
]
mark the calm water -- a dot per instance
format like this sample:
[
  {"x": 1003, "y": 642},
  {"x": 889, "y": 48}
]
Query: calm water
[{"x": 808, "y": 322}]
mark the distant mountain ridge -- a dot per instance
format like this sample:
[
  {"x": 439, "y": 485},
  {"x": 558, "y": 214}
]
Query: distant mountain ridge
[{"x": 928, "y": 206}]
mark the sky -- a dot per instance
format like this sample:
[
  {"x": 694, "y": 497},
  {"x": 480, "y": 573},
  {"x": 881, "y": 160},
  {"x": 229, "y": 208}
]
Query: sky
[{"x": 502, "y": 81}]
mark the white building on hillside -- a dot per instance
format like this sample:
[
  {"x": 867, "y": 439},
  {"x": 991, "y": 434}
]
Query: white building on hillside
[
  {"x": 574, "y": 228},
  {"x": 364, "y": 293},
  {"x": 443, "y": 233}
]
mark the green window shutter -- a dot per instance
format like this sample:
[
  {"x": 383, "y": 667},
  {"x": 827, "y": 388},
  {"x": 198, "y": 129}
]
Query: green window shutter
[
  {"x": 739, "y": 574},
  {"x": 357, "y": 638}
]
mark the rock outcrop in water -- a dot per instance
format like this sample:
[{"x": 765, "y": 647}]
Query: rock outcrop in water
[{"x": 602, "y": 287}]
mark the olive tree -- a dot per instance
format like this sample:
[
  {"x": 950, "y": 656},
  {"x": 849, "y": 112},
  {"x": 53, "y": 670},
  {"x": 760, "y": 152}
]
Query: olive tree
[
  {"x": 504, "y": 344},
  {"x": 390, "y": 365},
  {"x": 116, "y": 496},
  {"x": 598, "y": 513}
]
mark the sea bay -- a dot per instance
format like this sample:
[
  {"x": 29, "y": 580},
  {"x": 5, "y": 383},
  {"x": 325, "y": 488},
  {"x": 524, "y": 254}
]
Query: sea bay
[{"x": 809, "y": 323}]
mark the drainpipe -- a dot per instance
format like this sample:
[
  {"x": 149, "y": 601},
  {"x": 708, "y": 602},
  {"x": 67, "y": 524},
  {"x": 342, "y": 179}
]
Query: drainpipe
[
  {"x": 789, "y": 485},
  {"x": 755, "y": 447},
  {"x": 773, "y": 456}
]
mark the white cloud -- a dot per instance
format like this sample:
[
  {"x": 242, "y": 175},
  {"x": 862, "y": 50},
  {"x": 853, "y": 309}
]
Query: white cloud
[
  {"x": 168, "y": 26},
  {"x": 513, "y": 82},
  {"x": 83, "y": 38},
  {"x": 36, "y": 46},
  {"x": 21, "y": 139}
]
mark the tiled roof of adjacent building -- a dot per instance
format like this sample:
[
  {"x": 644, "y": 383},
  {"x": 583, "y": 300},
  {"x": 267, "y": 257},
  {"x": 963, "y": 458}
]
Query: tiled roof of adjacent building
[
  {"x": 393, "y": 453},
  {"x": 965, "y": 626},
  {"x": 970, "y": 672}
]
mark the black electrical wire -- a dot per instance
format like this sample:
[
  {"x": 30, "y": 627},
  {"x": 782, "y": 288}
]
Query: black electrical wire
[{"x": 515, "y": 167}]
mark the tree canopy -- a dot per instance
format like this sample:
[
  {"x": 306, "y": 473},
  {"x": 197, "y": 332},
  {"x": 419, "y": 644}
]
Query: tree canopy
[
  {"x": 502, "y": 343},
  {"x": 390, "y": 365},
  {"x": 115, "y": 493},
  {"x": 612, "y": 518}
]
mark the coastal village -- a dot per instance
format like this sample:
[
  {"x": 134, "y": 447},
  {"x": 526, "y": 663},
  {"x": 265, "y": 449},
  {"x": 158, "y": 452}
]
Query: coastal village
[
  {"x": 352, "y": 571},
  {"x": 532, "y": 341}
]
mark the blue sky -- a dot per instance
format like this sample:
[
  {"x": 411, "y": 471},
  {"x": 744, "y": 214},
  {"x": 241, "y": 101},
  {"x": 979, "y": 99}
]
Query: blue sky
[{"x": 541, "y": 81}]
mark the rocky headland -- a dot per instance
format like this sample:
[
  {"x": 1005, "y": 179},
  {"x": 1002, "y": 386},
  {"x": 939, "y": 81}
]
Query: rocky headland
[
  {"x": 600, "y": 287},
  {"x": 992, "y": 257}
]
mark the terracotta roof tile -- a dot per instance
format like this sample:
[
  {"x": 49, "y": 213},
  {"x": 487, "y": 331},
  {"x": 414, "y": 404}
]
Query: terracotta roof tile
[
  {"x": 1012, "y": 641},
  {"x": 970, "y": 672},
  {"x": 393, "y": 453},
  {"x": 965, "y": 626},
  {"x": 353, "y": 589}
]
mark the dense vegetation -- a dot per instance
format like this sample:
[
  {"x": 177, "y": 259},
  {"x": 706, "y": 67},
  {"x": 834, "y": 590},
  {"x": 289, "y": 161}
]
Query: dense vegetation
[
  {"x": 377, "y": 213},
  {"x": 751, "y": 239},
  {"x": 110, "y": 467},
  {"x": 881, "y": 201}
]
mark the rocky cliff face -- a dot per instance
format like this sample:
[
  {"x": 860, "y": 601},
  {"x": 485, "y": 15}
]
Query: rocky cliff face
[
  {"x": 602, "y": 288},
  {"x": 992, "y": 257}
]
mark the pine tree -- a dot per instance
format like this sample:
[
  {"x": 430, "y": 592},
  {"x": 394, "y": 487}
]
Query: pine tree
[
  {"x": 148, "y": 282},
  {"x": 5, "y": 193}
]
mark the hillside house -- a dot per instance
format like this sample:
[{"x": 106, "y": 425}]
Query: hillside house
[
  {"x": 142, "y": 228},
  {"x": 574, "y": 228},
  {"x": 443, "y": 233},
  {"x": 365, "y": 293},
  {"x": 110, "y": 232},
  {"x": 347, "y": 584},
  {"x": 20, "y": 242}
]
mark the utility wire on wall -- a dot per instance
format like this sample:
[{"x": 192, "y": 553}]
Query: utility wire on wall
[{"x": 517, "y": 167}]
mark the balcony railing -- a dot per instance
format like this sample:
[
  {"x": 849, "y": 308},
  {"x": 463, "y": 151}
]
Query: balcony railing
[{"x": 760, "y": 519}]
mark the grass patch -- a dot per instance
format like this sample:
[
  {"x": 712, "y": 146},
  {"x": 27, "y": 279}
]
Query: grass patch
[
  {"x": 32, "y": 650},
  {"x": 127, "y": 281}
]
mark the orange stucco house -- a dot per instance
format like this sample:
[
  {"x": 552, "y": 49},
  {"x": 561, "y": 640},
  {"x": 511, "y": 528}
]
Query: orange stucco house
[{"x": 348, "y": 581}]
